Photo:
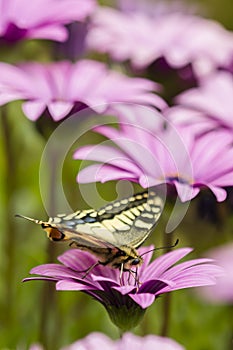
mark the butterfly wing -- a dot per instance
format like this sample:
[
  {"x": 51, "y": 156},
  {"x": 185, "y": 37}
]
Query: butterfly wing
[
  {"x": 112, "y": 233},
  {"x": 134, "y": 218},
  {"x": 127, "y": 222}
]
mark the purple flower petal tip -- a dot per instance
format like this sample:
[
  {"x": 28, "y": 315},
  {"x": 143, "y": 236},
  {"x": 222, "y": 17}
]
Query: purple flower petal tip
[
  {"x": 41, "y": 19},
  {"x": 63, "y": 87}
]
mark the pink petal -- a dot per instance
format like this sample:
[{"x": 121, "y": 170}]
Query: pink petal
[
  {"x": 105, "y": 279},
  {"x": 224, "y": 180},
  {"x": 194, "y": 281},
  {"x": 219, "y": 193},
  {"x": 186, "y": 192},
  {"x": 106, "y": 154},
  {"x": 6, "y": 97},
  {"x": 125, "y": 289},
  {"x": 77, "y": 260},
  {"x": 50, "y": 32},
  {"x": 196, "y": 266},
  {"x": 54, "y": 270},
  {"x": 102, "y": 173},
  {"x": 70, "y": 285},
  {"x": 144, "y": 299},
  {"x": 59, "y": 110},
  {"x": 33, "y": 109},
  {"x": 148, "y": 163},
  {"x": 162, "y": 263}
]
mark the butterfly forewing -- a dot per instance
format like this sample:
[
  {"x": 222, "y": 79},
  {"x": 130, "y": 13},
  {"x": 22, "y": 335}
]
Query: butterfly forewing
[{"x": 127, "y": 222}]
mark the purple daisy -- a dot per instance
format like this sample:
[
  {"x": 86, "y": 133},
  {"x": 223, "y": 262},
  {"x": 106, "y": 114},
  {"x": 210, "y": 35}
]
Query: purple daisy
[
  {"x": 124, "y": 299},
  {"x": 213, "y": 99},
  {"x": 171, "y": 156},
  {"x": 61, "y": 88},
  {"x": 180, "y": 38},
  {"x": 41, "y": 19},
  {"x": 128, "y": 341}
]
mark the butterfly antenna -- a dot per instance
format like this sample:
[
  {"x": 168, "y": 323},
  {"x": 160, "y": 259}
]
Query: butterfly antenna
[
  {"x": 165, "y": 247},
  {"x": 29, "y": 219}
]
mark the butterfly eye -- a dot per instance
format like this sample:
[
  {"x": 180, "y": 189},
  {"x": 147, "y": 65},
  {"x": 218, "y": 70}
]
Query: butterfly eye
[{"x": 135, "y": 261}]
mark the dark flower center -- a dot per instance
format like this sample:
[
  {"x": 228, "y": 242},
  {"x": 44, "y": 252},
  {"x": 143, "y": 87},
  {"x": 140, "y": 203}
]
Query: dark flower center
[{"x": 179, "y": 179}]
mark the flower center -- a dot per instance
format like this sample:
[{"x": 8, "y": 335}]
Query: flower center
[{"x": 180, "y": 179}]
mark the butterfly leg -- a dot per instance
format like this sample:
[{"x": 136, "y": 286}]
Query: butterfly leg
[
  {"x": 121, "y": 274},
  {"x": 134, "y": 274},
  {"x": 86, "y": 272}
]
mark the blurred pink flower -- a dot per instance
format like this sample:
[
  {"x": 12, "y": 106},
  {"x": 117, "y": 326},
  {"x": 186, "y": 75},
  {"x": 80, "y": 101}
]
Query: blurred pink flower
[
  {"x": 148, "y": 7},
  {"x": 213, "y": 99},
  {"x": 128, "y": 341},
  {"x": 125, "y": 296},
  {"x": 150, "y": 158},
  {"x": 41, "y": 19},
  {"x": 65, "y": 87},
  {"x": 222, "y": 292},
  {"x": 36, "y": 346},
  {"x": 143, "y": 37}
]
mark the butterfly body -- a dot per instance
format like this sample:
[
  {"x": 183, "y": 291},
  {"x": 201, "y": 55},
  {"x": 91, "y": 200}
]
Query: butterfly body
[{"x": 111, "y": 233}]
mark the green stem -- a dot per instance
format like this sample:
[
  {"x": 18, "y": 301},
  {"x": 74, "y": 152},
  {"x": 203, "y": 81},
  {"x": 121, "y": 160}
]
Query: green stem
[
  {"x": 230, "y": 312},
  {"x": 166, "y": 315},
  {"x": 168, "y": 241},
  {"x": 9, "y": 243},
  {"x": 49, "y": 308}
]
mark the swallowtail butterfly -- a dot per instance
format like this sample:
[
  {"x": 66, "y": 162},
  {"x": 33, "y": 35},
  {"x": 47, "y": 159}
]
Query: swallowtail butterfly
[{"x": 112, "y": 233}]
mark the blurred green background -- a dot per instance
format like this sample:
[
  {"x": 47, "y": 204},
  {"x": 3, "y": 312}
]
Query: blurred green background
[{"x": 31, "y": 312}]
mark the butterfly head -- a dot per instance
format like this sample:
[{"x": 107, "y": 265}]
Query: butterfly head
[
  {"x": 127, "y": 257},
  {"x": 132, "y": 262}
]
